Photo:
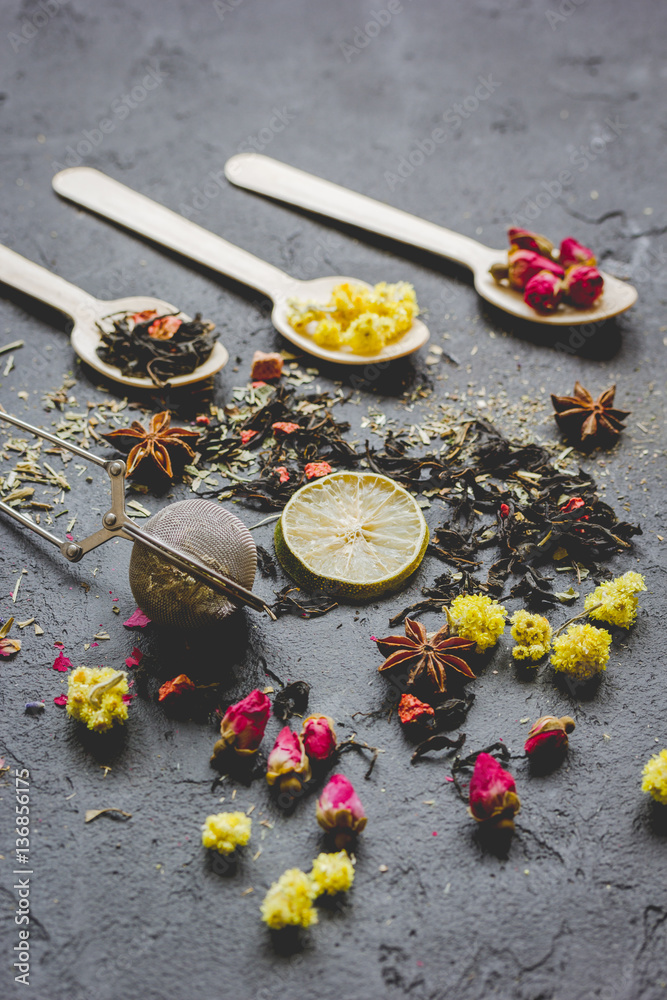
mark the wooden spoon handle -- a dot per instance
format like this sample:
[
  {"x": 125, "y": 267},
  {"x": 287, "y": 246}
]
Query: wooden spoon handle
[
  {"x": 296, "y": 187},
  {"x": 113, "y": 200},
  {"x": 33, "y": 279}
]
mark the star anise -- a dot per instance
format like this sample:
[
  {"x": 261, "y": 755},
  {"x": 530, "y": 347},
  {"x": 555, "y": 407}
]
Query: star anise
[
  {"x": 586, "y": 420},
  {"x": 155, "y": 444},
  {"x": 426, "y": 655}
]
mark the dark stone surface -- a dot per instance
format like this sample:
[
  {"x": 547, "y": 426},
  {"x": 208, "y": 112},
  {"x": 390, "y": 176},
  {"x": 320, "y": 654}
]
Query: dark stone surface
[{"x": 578, "y": 907}]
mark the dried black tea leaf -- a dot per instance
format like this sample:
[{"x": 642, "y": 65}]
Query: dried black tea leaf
[
  {"x": 265, "y": 562},
  {"x": 310, "y": 607},
  {"x": 292, "y": 700},
  {"x": 437, "y": 742},
  {"x": 160, "y": 347}
]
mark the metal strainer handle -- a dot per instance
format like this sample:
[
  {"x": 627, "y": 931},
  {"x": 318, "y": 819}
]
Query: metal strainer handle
[{"x": 116, "y": 523}]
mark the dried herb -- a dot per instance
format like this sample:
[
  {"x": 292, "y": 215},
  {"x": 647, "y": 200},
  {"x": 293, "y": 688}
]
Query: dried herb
[
  {"x": 444, "y": 588},
  {"x": 311, "y": 607},
  {"x": 292, "y": 700},
  {"x": 92, "y": 814},
  {"x": 8, "y": 646},
  {"x": 426, "y": 656},
  {"x": 437, "y": 742},
  {"x": 154, "y": 445},
  {"x": 500, "y": 495},
  {"x": 452, "y": 713},
  {"x": 453, "y": 546},
  {"x": 160, "y": 347},
  {"x": 318, "y": 438},
  {"x": 533, "y": 525},
  {"x": 265, "y": 562},
  {"x": 589, "y": 421}
]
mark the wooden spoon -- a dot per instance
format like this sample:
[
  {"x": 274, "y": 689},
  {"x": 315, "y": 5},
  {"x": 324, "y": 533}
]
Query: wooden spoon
[{"x": 87, "y": 311}]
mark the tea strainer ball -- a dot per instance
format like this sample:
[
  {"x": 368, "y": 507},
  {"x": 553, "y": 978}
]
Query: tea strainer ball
[{"x": 206, "y": 531}]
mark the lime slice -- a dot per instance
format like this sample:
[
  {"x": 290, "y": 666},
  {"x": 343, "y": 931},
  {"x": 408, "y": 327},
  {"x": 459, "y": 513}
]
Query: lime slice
[{"x": 356, "y": 534}]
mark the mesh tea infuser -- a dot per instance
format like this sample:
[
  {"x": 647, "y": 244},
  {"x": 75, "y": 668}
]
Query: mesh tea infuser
[{"x": 192, "y": 568}]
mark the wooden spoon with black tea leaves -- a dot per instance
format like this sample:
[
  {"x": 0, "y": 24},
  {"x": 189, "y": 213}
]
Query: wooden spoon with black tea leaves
[{"x": 89, "y": 313}]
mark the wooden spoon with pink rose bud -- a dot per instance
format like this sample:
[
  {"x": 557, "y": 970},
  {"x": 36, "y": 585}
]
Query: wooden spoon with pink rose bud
[{"x": 296, "y": 187}]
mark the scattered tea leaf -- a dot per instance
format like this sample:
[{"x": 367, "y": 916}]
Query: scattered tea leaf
[
  {"x": 292, "y": 700},
  {"x": 92, "y": 814}
]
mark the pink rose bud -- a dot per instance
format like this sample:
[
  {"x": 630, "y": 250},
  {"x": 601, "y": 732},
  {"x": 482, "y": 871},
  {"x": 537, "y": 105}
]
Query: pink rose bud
[
  {"x": 572, "y": 252},
  {"x": 243, "y": 724},
  {"x": 493, "y": 797},
  {"x": 319, "y": 736},
  {"x": 288, "y": 764},
  {"x": 548, "y": 735},
  {"x": 340, "y": 811},
  {"x": 522, "y": 265},
  {"x": 543, "y": 292},
  {"x": 583, "y": 285},
  {"x": 523, "y": 239}
]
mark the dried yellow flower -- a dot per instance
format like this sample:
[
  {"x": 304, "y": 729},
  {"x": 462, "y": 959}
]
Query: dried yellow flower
[
  {"x": 581, "y": 651},
  {"x": 332, "y": 873},
  {"x": 617, "y": 599},
  {"x": 289, "y": 901},
  {"x": 478, "y": 617},
  {"x": 95, "y": 696},
  {"x": 363, "y": 319},
  {"x": 532, "y": 635},
  {"x": 226, "y": 831},
  {"x": 654, "y": 780}
]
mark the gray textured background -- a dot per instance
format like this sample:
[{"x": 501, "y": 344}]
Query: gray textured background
[{"x": 579, "y": 907}]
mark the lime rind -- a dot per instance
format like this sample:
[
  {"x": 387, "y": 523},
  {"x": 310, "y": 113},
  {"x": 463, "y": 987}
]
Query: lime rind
[{"x": 357, "y": 535}]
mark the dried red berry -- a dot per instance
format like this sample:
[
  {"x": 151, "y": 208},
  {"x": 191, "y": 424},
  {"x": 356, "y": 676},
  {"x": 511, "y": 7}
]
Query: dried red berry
[
  {"x": 176, "y": 687},
  {"x": 284, "y": 427},
  {"x": 411, "y": 709},
  {"x": 266, "y": 366},
  {"x": 315, "y": 469}
]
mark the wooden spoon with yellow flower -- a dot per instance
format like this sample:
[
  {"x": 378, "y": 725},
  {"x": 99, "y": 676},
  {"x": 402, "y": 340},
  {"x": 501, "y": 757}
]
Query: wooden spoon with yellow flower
[{"x": 153, "y": 447}]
